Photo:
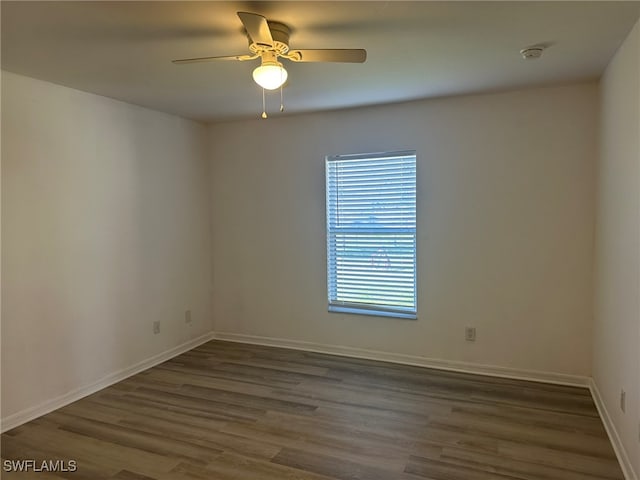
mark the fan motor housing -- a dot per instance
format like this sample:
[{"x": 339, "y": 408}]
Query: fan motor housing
[{"x": 280, "y": 34}]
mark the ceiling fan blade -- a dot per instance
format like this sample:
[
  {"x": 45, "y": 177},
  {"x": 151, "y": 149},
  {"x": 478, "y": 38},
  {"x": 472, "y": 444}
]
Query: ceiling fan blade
[
  {"x": 210, "y": 59},
  {"x": 348, "y": 55},
  {"x": 257, "y": 28}
]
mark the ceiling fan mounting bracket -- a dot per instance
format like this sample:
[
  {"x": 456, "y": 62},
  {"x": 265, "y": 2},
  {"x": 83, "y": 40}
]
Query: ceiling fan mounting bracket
[{"x": 280, "y": 34}]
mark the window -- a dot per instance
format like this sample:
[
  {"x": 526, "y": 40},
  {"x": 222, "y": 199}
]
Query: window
[{"x": 371, "y": 234}]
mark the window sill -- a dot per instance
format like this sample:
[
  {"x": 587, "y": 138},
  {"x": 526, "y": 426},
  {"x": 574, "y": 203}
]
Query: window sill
[{"x": 372, "y": 313}]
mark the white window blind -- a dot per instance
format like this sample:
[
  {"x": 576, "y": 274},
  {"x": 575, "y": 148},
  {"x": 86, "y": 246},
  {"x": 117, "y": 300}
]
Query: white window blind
[{"x": 371, "y": 233}]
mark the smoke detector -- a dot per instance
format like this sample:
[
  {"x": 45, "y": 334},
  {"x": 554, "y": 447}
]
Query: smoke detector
[{"x": 531, "y": 53}]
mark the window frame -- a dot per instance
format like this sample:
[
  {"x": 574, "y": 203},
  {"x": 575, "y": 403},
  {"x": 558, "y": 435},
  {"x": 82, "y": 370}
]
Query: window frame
[{"x": 371, "y": 309}]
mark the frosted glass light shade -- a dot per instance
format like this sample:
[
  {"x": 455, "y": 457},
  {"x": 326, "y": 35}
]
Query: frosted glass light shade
[{"x": 270, "y": 75}]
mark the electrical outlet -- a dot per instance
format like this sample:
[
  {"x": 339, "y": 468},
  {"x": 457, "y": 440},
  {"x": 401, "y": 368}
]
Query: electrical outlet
[
  {"x": 156, "y": 327},
  {"x": 623, "y": 400},
  {"x": 470, "y": 334},
  {"x": 187, "y": 316}
]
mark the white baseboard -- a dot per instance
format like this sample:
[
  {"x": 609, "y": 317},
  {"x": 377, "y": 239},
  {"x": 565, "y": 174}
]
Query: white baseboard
[
  {"x": 618, "y": 447},
  {"x": 478, "y": 369},
  {"x": 31, "y": 413}
]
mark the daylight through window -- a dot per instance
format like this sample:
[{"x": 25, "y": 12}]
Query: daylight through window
[{"x": 371, "y": 233}]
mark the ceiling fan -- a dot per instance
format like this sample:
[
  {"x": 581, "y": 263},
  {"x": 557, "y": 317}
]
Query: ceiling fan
[{"x": 269, "y": 40}]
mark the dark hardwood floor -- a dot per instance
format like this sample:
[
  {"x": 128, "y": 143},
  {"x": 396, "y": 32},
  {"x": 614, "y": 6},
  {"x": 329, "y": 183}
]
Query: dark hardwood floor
[{"x": 228, "y": 411}]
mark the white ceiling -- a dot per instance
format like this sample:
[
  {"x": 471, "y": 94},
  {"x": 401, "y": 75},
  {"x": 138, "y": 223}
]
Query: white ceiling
[{"x": 415, "y": 50}]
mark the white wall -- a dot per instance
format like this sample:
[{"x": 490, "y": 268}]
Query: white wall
[
  {"x": 105, "y": 228},
  {"x": 616, "y": 362},
  {"x": 505, "y": 211}
]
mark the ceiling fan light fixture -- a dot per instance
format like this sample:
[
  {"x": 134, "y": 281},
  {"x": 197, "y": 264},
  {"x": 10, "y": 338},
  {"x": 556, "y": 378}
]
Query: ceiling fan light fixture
[
  {"x": 270, "y": 75},
  {"x": 269, "y": 40}
]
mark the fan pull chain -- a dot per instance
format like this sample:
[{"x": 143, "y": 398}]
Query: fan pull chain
[
  {"x": 264, "y": 105},
  {"x": 281, "y": 100}
]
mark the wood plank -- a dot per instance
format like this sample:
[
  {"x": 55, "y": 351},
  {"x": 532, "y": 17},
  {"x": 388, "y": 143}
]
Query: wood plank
[{"x": 333, "y": 467}]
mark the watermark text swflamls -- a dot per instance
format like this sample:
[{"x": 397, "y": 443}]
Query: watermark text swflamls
[{"x": 30, "y": 465}]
